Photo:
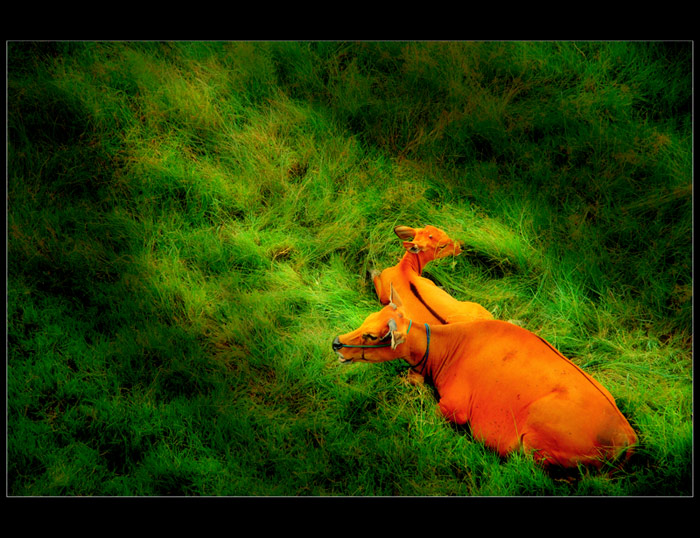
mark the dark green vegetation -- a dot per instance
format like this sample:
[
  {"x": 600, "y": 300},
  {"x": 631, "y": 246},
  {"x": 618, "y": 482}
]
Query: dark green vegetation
[{"x": 190, "y": 224}]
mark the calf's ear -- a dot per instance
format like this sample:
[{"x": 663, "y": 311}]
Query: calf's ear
[{"x": 405, "y": 232}]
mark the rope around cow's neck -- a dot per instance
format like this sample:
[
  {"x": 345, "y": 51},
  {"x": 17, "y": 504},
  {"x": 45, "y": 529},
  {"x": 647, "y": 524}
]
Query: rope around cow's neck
[{"x": 427, "y": 350}]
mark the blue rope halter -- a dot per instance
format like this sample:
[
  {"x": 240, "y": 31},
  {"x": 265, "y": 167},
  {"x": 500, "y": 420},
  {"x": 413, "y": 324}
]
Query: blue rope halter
[{"x": 427, "y": 349}]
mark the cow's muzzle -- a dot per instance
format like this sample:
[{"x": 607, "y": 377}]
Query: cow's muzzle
[{"x": 337, "y": 346}]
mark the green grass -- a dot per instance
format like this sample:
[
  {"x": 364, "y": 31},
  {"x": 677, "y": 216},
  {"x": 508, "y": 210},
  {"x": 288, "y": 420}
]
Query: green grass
[{"x": 190, "y": 224}]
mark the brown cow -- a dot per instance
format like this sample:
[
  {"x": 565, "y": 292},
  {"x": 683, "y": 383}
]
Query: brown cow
[
  {"x": 423, "y": 300},
  {"x": 513, "y": 388}
]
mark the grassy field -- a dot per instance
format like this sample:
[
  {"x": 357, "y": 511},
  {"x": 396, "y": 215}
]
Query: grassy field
[{"x": 190, "y": 224}]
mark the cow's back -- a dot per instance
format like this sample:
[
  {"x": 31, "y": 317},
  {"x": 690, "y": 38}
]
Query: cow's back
[
  {"x": 514, "y": 388},
  {"x": 427, "y": 303}
]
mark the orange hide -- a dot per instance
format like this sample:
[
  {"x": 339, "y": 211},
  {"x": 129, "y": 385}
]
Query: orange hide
[
  {"x": 423, "y": 300},
  {"x": 512, "y": 387}
]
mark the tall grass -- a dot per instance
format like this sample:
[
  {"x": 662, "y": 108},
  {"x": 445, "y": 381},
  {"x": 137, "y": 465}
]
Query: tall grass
[{"x": 190, "y": 224}]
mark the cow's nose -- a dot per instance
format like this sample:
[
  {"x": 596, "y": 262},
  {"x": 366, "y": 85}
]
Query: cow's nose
[{"x": 336, "y": 344}]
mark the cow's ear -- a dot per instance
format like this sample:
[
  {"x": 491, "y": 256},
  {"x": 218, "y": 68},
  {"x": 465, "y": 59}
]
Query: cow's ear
[
  {"x": 397, "y": 338},
  {"x": 394, "y": 297},
  {"x": 405, "y": 232},
  {"x": 391, "y": 326}
]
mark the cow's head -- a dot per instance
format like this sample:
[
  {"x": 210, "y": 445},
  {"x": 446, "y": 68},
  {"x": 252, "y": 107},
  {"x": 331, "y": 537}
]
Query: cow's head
[
  {"x": 378, "y": 339},
  {"x": 431, "y": 241}
]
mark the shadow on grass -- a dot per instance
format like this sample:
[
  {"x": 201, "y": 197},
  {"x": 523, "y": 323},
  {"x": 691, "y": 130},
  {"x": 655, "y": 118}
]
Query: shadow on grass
[{"x": 93, "y": 355}]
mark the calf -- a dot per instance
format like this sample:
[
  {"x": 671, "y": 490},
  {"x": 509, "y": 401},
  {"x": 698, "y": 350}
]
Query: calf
[
  {"x": 424, "y": 301},
  {"x": 513, "y": 388}
]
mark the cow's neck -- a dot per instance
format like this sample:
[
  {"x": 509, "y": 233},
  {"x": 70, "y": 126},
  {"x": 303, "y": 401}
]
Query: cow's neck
[
  {"x": 414, "y": 262},
  {"x": 428, "y": 356}
]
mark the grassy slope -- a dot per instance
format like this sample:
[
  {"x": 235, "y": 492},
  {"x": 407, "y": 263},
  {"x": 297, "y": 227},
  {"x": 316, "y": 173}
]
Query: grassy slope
[{"x": 189, "y": 225}]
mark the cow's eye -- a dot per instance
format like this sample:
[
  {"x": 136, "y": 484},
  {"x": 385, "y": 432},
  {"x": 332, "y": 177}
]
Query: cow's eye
[{"x": 369, "y": 336}]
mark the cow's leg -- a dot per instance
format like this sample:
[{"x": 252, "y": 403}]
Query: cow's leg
[
  {"x": 452, "y": 411},
  {"x": 414, "y": 378},
  {"x": 560, "y": 431}
]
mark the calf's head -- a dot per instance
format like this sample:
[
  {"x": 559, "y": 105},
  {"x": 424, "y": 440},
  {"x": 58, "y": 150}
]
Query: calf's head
[
  {"x": 431, "y": 241},
  {"x": 378, "y": 339}
]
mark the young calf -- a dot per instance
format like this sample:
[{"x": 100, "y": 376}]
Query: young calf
[
  {"x": 424, "y": 301},
  {"x": 513, "y": 388}
]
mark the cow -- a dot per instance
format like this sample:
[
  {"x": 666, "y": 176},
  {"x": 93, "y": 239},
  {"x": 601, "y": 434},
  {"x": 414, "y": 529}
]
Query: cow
[
  {"x": 513, "y": 389},
  {"x": 423, "y": 300}
]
